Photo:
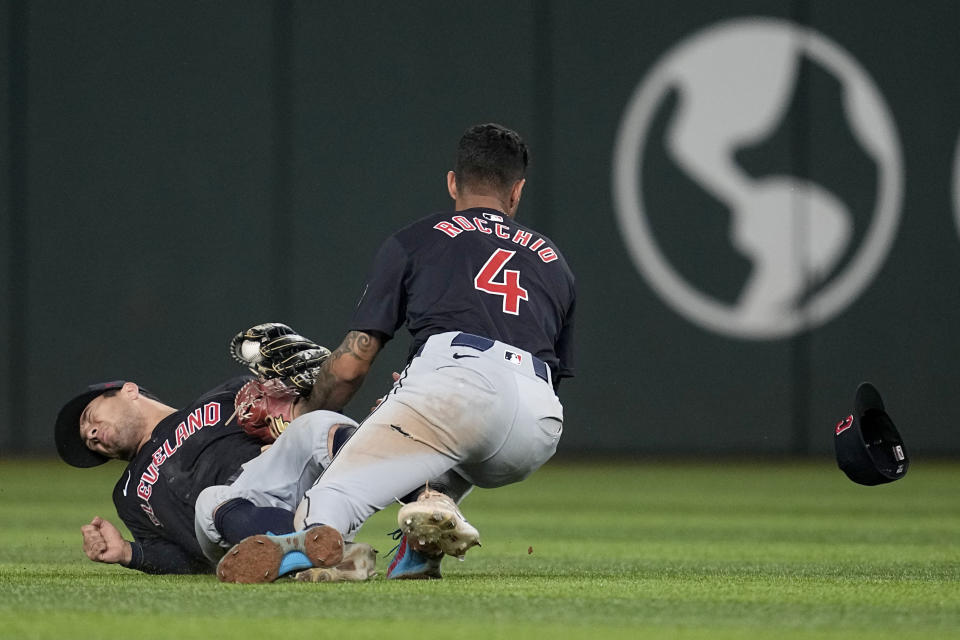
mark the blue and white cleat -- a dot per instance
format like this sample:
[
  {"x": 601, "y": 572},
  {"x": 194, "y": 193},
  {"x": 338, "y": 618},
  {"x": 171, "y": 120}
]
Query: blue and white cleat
[
  {"x": 408, "y": 564},
  {"x": 265, "y": 557},
  {"x": 434, "y": 524}
]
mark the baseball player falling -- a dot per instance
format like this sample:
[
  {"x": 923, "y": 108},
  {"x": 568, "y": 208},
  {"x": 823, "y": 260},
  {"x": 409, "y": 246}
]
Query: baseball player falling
[
  {"x": 489, "y": 303},
  {"x": 196, "y": 481}
]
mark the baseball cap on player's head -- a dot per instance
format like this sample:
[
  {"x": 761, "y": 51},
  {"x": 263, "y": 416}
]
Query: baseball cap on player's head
[
  {"x": 869, "y": 449},
  {"x": 490, "y": 156},
  {"x": 70, "y": 445}
]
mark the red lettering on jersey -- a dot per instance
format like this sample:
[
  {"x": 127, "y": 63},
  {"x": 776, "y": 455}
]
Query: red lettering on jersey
[
  {"x": 211, "y": 413},
  {"x": 201, "y": 417},
  {"x": 522, "y": 237},
  {"x": 151, "y": 474},
  {"x": 481, "y": 225},
  {"x": 536, "y": 244},
  {"x": 509, "y": 287},
  {"x": 195, "y": 420},
  {"x": 500, "y": 231},
  {"x": 147, "y": 509},
  {"x": 181, "y": 434},
  {"x": 547, "y": 254},
  {"x": 448, "y": 228},
  {"x": 464, "y": 223}
]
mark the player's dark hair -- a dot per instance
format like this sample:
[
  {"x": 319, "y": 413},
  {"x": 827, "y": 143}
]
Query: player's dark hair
[{"x": 490, "y": 156}]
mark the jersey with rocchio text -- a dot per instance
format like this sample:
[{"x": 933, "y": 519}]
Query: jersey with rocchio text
[{"x": 477, "y": 271}]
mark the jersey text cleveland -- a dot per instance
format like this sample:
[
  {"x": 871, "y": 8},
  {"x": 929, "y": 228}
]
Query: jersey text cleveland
[{"x": 206, "y": 416}]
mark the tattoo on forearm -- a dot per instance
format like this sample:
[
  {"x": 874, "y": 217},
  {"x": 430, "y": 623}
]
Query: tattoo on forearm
[
  {"x": 322, "y": 388},
  {"x": 333, "y": 387},
  {"x": 357, "y": 344}
]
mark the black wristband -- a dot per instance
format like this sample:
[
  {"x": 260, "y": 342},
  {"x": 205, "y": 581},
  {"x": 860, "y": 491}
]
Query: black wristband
[{"x": 136, "y": 555}]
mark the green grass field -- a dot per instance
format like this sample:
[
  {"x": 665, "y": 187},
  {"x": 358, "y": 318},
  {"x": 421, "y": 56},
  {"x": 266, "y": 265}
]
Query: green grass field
[{"x": 651, "y": 550}]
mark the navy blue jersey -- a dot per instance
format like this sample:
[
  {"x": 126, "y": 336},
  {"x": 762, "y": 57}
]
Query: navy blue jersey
[
  {"x": 477, "y": 271},
  {"x": 190, "y": 450}
]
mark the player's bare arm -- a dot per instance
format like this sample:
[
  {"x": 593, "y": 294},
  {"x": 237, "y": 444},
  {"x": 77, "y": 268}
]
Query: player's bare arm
[{"x": 344, "y": 371}]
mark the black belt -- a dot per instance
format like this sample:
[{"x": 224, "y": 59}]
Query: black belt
[{"x": 482, "y": 344}]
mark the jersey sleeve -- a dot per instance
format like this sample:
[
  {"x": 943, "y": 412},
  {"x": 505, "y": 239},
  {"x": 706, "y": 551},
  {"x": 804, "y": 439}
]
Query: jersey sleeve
[
  {"x": 153, "y": 553},
  {"x": 159, "y": 556},
  {"x": 383, "y": 304},
  {"x": 564, "y": 346}
]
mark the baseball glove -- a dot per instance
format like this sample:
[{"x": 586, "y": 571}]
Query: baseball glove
[
  {"x": 264, "y": 408},
  {"x": 274, "y": 350}
]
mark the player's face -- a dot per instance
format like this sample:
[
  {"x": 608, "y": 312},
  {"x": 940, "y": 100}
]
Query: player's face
[{"x": 111, "y": 426}]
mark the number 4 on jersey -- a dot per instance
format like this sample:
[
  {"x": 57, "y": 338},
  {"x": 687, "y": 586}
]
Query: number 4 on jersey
[{"x": 509, "y": 287}]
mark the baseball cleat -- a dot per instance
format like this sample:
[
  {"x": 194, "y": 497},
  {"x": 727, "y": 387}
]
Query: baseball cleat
[
  {"x": 358, "y": 564},
  {"x": 408, "y": 564},
  {"x": 264, "y": 557},
  {"x": 434, "y": 523}
]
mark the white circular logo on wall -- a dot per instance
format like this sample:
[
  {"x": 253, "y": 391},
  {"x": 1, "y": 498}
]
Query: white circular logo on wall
[{"x": 734, "y": 83}]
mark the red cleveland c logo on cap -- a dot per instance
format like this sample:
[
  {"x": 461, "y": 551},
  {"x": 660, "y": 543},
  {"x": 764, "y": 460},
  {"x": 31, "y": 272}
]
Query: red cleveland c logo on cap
[{"x": 844, "y": 424}]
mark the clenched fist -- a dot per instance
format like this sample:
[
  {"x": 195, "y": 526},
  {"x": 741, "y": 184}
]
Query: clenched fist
[{"x": 102, "y": 542}]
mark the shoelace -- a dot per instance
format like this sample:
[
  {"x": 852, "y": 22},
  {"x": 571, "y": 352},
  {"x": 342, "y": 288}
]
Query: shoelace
[{"x": 396, "y": 535}]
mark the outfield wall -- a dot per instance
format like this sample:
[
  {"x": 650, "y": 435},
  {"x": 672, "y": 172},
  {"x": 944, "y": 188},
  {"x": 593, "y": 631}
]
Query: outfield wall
[{"x": 761, "y": 200}]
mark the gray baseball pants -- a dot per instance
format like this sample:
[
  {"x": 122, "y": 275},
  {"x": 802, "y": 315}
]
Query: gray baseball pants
[
  {"x": 484, "y": 409},
  {"x": 278, "y": 477}
]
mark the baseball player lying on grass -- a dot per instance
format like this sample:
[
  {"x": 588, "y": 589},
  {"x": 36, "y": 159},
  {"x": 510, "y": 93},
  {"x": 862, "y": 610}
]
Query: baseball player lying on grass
[{"x": 198, "y": 480}]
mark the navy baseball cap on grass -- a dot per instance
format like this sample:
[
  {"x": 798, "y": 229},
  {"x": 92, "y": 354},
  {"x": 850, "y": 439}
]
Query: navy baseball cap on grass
[
  {"x": 70, "y": 445},
  {"x": 869, "y": 448}
]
